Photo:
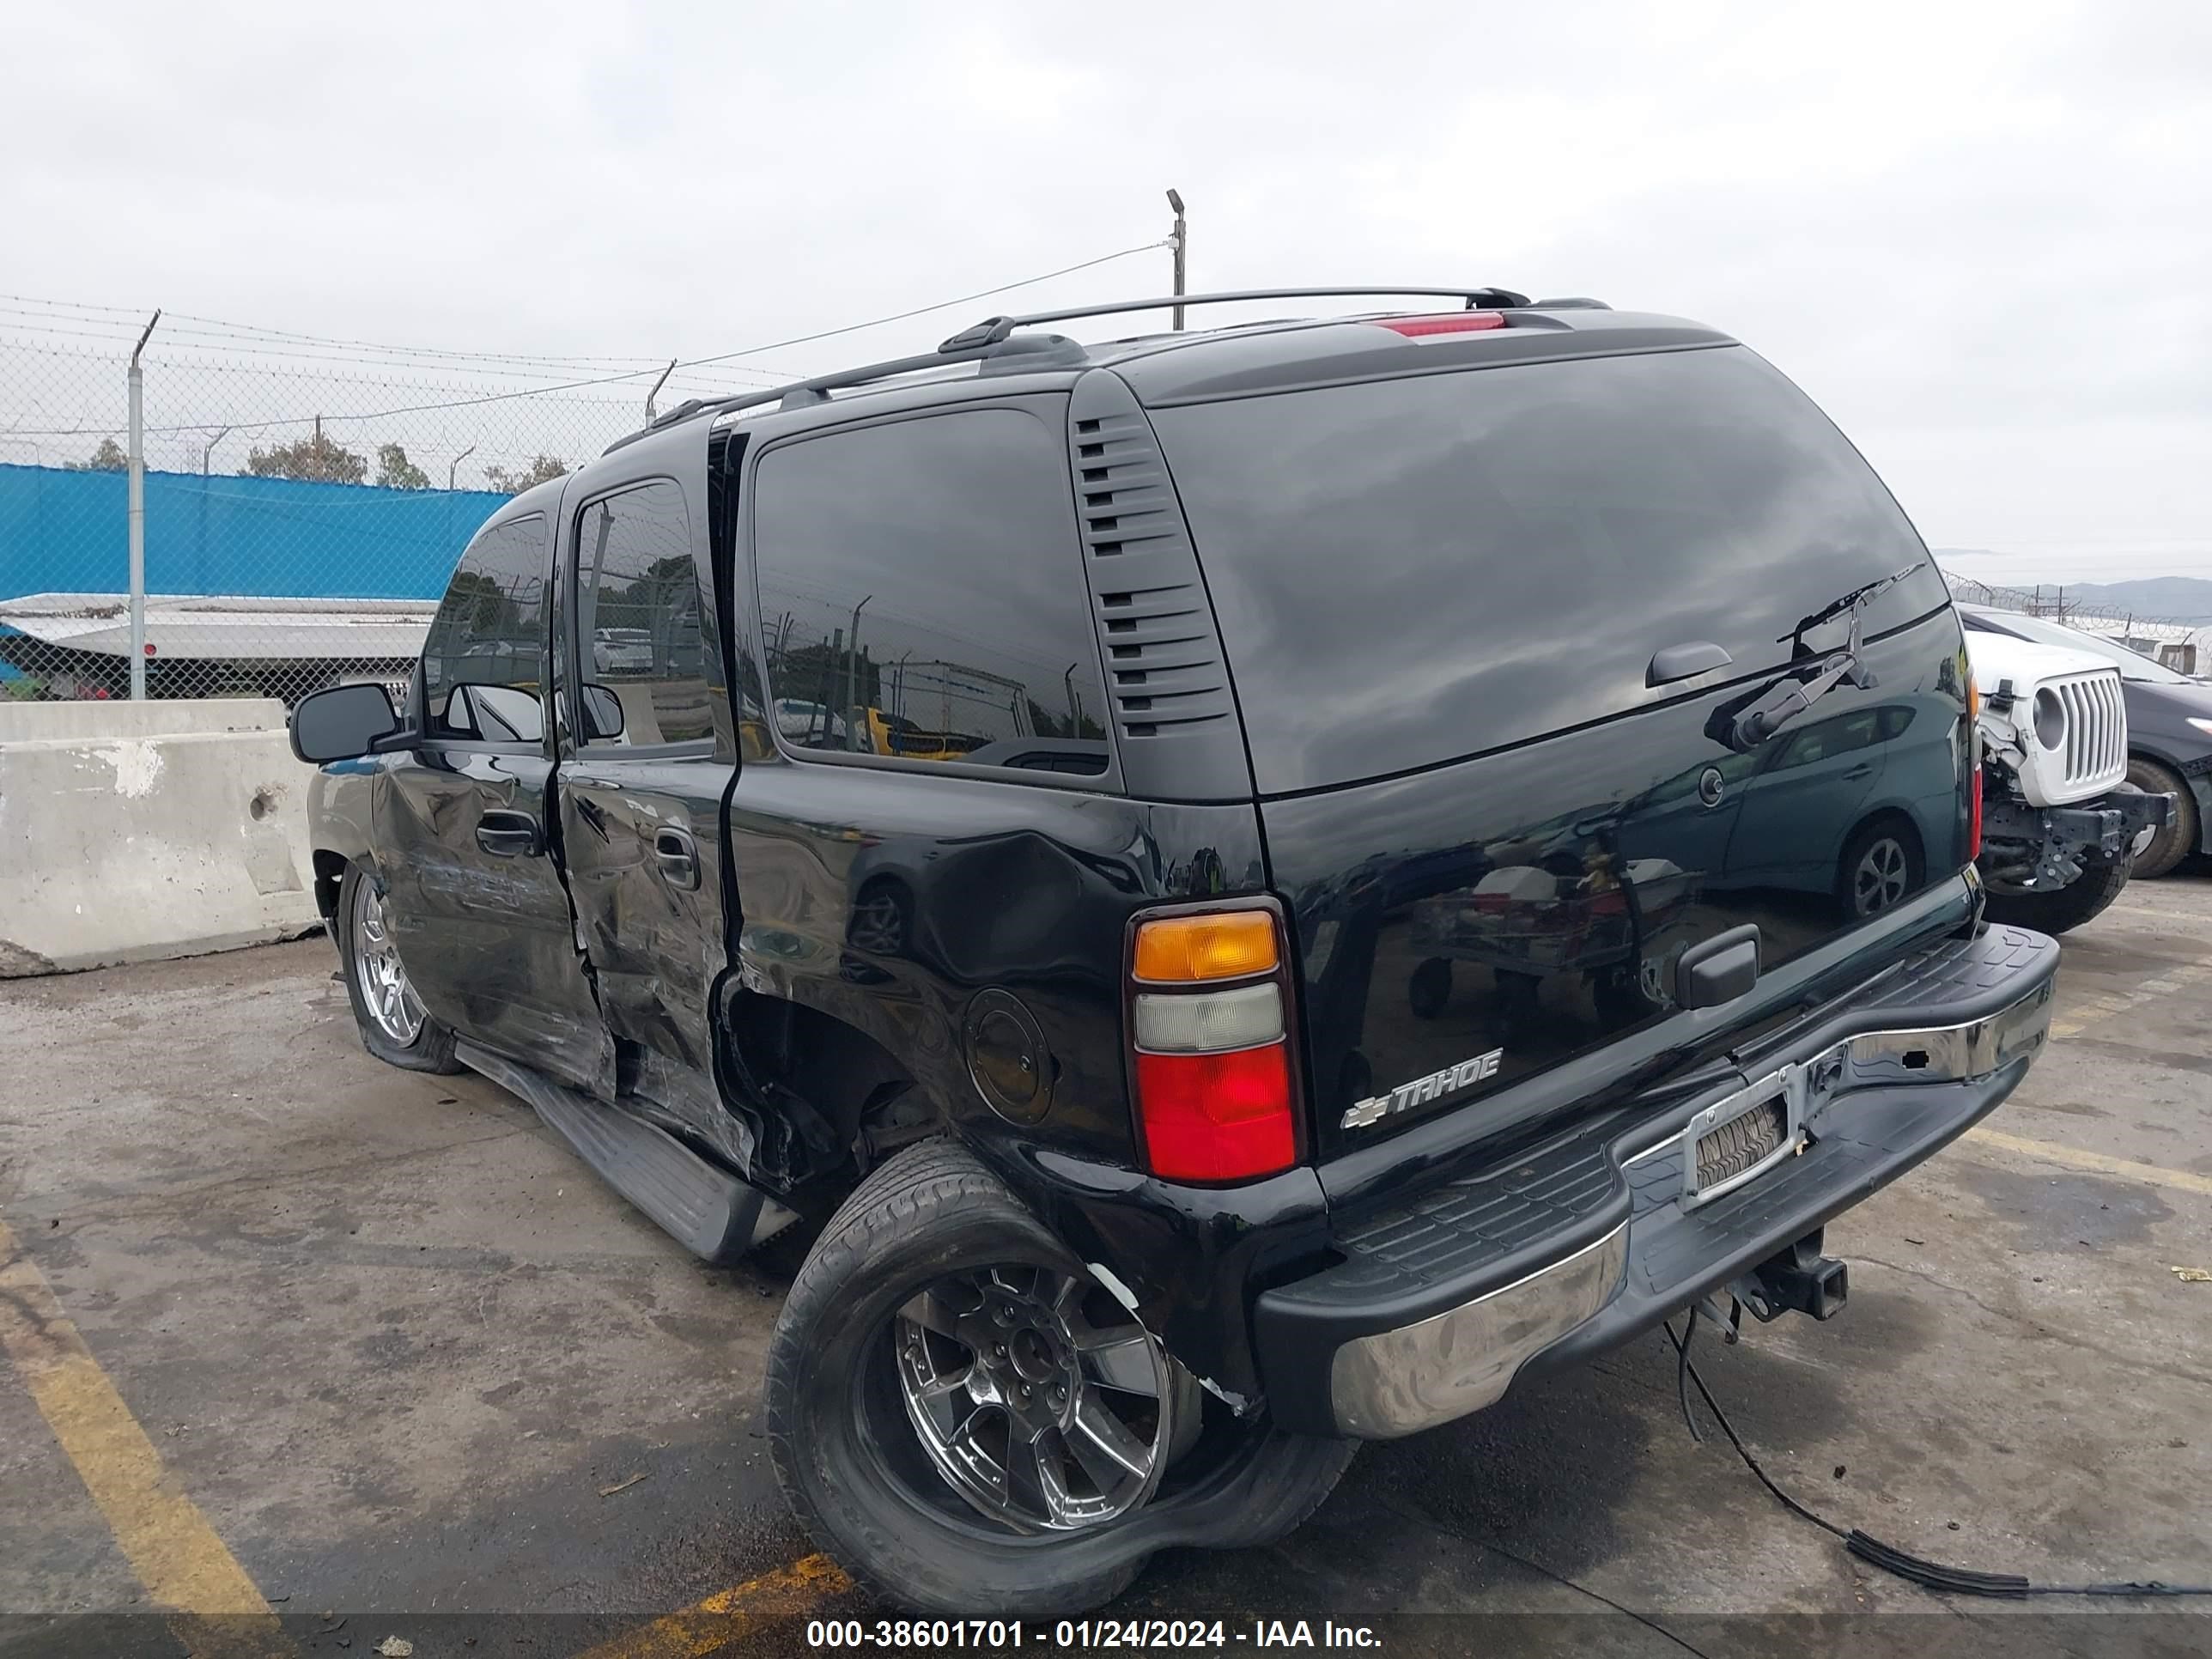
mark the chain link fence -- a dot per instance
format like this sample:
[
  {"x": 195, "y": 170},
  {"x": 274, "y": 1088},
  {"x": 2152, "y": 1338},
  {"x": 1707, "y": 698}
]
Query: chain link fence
[{"x": 305, "y": 498}]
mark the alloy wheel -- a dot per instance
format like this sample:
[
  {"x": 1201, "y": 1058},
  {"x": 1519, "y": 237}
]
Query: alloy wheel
[
  {"x": 385, "y": 989},
  {"x": 878, "y": 924},
  {"x": 1035, "y": 1396},
  {"x": 1878, "y": 881}
]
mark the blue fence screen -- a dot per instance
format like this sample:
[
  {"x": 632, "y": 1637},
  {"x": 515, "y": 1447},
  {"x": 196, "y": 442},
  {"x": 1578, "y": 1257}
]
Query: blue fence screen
[{"x": 69, "y": 532}]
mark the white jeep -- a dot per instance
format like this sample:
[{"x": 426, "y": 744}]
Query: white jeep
[{"x": 2060, "y": 822}]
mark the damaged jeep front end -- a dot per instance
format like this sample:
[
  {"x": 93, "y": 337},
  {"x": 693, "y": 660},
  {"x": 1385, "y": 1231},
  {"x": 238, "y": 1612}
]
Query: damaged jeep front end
[{"x": 2042, "y": 849}]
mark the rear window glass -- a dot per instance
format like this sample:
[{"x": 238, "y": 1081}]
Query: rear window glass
[{"x": 1409, "y": 571}]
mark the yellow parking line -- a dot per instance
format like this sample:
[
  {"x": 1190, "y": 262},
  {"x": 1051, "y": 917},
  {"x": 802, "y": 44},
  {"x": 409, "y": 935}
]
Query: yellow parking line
[
  {"x": 2052, "y": 1152},
  {"x": 728, "y": 1615},
  {"x": 168, "y": 1542}
]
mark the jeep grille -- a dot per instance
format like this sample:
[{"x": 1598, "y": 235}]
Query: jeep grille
[{"x": 2096, "y": 730}]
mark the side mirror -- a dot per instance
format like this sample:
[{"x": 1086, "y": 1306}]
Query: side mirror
[
  {"x": 343, "y": 723},
  {"x": 602, "y": 712}
]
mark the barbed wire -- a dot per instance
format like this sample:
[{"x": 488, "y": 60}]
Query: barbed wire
[
  {"x": 693, "y": 363},
  {"x": 2057, "y": 604},
  {"x": 298, "y": 485}
]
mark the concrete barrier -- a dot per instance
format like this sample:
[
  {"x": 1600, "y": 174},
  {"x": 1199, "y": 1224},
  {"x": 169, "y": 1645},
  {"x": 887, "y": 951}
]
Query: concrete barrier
[{"x": 134, "y": 831}]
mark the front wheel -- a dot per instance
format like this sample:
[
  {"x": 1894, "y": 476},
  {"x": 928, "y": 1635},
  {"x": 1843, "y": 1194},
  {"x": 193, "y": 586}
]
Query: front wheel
[
  {"x": 394, "y": 1026},
  {"x": 969, "y": 1423},
  {"x": 2177, "y": 840},
  {"x": 2080, "y": 900}
]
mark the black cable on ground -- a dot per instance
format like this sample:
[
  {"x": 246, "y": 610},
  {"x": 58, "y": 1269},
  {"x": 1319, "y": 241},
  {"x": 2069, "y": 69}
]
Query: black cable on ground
[
  {"x": 1930, "y": 1575},
  {"x": 1682, "y": 1374}
]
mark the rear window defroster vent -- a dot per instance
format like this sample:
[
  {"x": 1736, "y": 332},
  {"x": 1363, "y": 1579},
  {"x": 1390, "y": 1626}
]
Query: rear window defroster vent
[{"x": 1166, "y": 679}]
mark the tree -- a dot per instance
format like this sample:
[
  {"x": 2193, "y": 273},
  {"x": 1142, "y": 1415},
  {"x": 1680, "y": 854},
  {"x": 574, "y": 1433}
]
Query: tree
[
  {"x": 521, "y": 478},
  {"x": 317, "y": 459},
  {"x": 108, "y": 458},
  {"x": 395, "y": 472},
  {"x": 486, "y": 609}
]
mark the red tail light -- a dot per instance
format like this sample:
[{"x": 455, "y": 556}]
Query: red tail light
[
  {"x": 1974, "y": 772},
  {"x": 1974, "y": 812},
  {"x": 1210, "y": 1045},
  {"x": 1217, "y": 1117},
  {"x": 1453, "y": 322}
]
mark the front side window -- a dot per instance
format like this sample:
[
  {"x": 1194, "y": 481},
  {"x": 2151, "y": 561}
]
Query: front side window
[
  {"x": 638, "y": 640},
  {"x": 922, "y": 596},
  {"x": 481, "y": 660}
]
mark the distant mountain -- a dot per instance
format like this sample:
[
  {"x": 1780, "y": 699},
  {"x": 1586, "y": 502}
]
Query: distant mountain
[
  {"x": 2176, "y": 599},
  {"x": 2172, "y": 598}
]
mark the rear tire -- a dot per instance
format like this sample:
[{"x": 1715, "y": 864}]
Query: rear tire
[
  {"x": 393, "y": 1026},
  {"x": 851, "y": 1364},
  {"x": 2179, "y": 839}
]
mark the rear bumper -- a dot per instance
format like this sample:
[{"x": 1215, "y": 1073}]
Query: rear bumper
[{"x": 1433, "y": 1312}]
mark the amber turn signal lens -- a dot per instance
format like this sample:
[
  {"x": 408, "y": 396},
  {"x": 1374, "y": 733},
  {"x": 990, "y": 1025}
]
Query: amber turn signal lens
[{"x": 1181, "y": 949}]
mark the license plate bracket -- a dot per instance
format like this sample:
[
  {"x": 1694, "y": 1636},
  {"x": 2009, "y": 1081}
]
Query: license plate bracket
[{"x": 1739, "y": 1137}]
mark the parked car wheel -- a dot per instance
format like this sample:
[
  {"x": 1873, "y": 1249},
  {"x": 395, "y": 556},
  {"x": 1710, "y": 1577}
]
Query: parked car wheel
[
  {"x": 969, "y": 1423},
  {"x": 1881, "y": 865},
  {"x": 882, "y": 921},
  {"x": 1429, "y": 988},
  {"x": 394, "y": 1026},
  {"x": 2177, "y": 840}
]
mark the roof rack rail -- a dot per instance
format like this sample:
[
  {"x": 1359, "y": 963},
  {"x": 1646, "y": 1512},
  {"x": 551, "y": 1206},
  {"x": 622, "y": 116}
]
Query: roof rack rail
[
  {"x": 994, "y": 330},
  {"x": 798, "y": 393},
  {"x": 990, "y": 339}
]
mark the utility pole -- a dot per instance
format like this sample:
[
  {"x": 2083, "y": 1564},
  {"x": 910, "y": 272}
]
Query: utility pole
[
  {"x": 1180, "y": 241},
  {"x": 655, "y": 392},
  {"x": 137, "y": 381},
  {"x": 207, "y": 453},
  {"x": 853, "y": 676}
]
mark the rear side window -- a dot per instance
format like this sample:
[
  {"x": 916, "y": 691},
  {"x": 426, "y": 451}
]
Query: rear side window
[
  {"x": 638, "y": 641},
  {"x": 922, "y": 596},
  {"x": 1413, "y": 570},
  {"x": 481, "y": 658}
]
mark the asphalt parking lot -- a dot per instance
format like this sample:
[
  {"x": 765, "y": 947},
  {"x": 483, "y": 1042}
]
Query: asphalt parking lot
[{"x": 289, "y": 1330}]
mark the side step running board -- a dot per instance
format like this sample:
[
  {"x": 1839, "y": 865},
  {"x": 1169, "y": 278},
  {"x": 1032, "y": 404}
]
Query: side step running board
[{"x": 706, "y": 1209}]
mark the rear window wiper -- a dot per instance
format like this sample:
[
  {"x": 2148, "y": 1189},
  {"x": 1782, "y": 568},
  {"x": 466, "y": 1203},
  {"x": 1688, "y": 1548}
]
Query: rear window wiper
[{"x": 1745, "y": 723}]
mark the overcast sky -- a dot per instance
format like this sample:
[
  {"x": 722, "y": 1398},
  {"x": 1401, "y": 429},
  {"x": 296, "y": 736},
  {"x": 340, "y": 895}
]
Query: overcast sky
[{"x": 1980, "y": 235}]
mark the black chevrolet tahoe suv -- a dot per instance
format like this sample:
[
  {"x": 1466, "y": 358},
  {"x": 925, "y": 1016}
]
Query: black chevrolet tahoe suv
[{"x": 1255, "y": 888}]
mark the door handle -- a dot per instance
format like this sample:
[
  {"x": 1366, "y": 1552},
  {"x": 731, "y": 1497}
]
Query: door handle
[
  {"x": 1685, "y": 661},
  {"x": 1863, "y": 769},
  {"x": 677, "y": 856},
  {"x": 505, "y": 835}
]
